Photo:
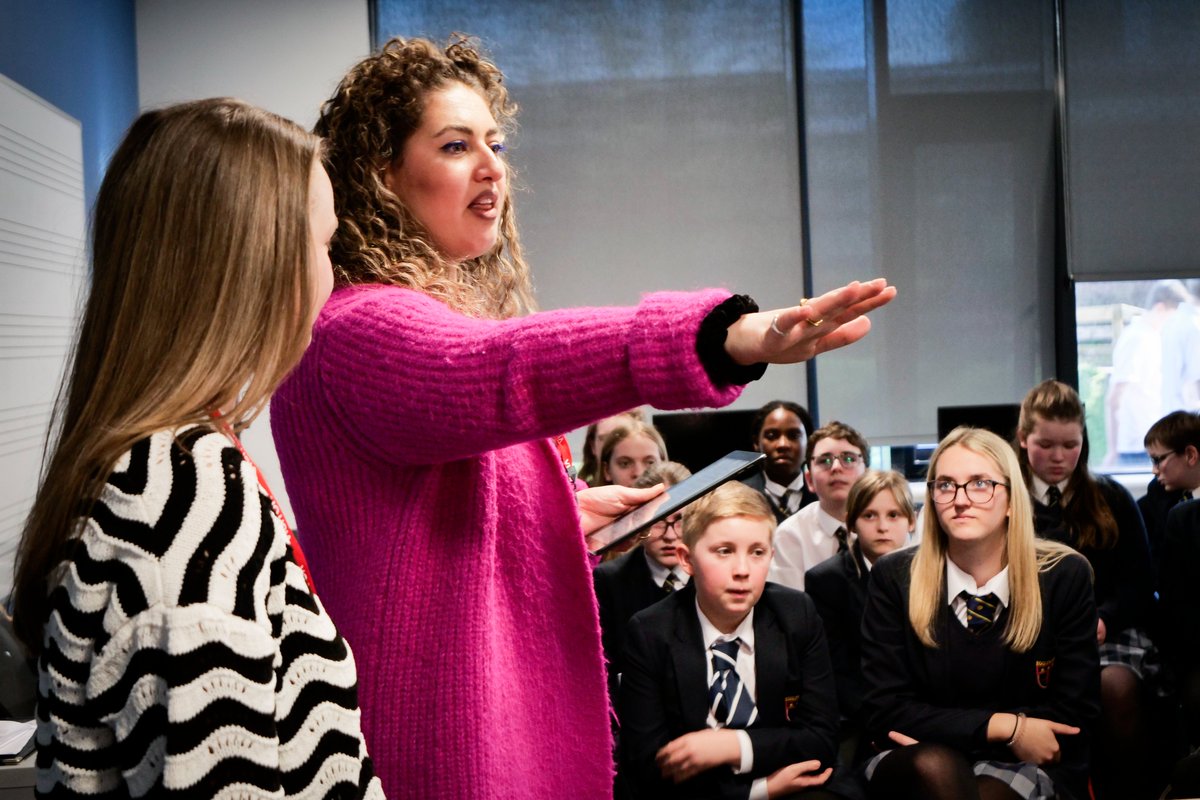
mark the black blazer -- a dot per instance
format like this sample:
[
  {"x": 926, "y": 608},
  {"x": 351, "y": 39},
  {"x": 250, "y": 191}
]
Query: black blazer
[
  {"x": 1124, "y": 577},
  {"x": 839, "y": 591},
  {"x": 1181, "y": 576},
  {"x": 623, "y": 588},
  {"x": 910, "y": 688},
  {"x": 664, "y": 693},
  {"x": 758, "y": 482},
  {"x": 1154, "y": 506}
]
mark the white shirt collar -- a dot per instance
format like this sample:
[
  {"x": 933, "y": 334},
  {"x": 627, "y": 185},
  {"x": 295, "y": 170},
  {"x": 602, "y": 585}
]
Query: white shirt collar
[
  {"x": 958, "y": 581},
  {"x": 1040, "y": 487},
  {"x": 710, "y": 634},
  {"x": 777, "y": 489},
  {"x": 658, "y": 573},
  {"x": 829, "y": 523}
]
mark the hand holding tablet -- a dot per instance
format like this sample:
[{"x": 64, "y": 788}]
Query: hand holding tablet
[{"x": 730, "y": 467}]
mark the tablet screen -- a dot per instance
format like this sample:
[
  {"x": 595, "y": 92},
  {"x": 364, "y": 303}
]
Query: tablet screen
[{"x": 735, "y": 465}]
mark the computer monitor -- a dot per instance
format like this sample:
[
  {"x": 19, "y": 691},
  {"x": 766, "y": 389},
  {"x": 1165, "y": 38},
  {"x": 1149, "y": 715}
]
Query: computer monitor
[
  {"x": 999, "y": 418},
  {"x": 697, "y": 439}
]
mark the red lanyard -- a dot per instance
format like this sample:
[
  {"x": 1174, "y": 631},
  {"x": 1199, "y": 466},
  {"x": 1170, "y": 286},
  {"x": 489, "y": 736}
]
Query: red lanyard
[
  {"x": 297, "y": 553},
  {"x": 564, "y": 453}
]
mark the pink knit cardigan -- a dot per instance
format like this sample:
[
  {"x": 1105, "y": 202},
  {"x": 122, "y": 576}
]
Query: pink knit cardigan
[{"x": 442, "y": 532}]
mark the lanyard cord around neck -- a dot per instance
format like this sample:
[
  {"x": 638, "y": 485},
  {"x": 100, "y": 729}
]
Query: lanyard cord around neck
[{"x": 277, "y": 509}]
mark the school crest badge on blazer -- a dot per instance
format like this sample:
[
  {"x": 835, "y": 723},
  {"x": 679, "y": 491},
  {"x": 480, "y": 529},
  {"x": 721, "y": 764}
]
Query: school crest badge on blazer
[
  {"x": 790, "y": 704},
  {"x": 1043, "y": 668}
]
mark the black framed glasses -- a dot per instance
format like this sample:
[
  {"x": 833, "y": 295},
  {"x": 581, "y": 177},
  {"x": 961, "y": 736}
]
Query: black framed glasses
[
  {"x": 1156, "y": 461},
  {"x": 978, "y": 490},
  {"x": 660, "y": 528},
  {"x": 846, "y": 459}
]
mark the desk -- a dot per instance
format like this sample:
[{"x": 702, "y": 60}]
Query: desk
[{"x": 17, "y": 780}]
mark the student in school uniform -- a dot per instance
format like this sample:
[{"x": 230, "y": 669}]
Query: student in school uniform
[
  {"x": 1181, "y": 573},
  {"x": 835, "y": 458},
  {"x": 728, "y": 691},
  {"x": 1173, "y": 445},
  {"x": 1098, "y": 517},
  {"x": 780, "y": 431},
  {"x": 979, "y": 645},
  {"x": 590, "y": 472},
  {"x": 629, "y": 450},
  {"x": 881, "y": 514},
  {"x": 640, "y": 577}
]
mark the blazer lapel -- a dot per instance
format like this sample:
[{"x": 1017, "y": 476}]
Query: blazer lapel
[
  {"x": 770, "y": 666},
  {"x": 688, "y": 656}
]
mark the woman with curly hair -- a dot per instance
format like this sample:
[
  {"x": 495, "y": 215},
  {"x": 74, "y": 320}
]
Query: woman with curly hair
[{"x": 417, "y": 438}]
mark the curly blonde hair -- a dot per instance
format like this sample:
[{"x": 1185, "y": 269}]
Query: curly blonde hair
[{"x": 373, "y": 112}]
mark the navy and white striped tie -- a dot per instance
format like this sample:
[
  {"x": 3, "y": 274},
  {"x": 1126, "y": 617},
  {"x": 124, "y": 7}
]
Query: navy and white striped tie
[{"x": 728, "y": 699}]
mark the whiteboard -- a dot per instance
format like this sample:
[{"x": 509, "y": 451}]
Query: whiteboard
[{"x": 42, "y": 270}]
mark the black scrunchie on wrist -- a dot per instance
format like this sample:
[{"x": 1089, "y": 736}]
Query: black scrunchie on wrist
[{"x": 710, "y": 344}]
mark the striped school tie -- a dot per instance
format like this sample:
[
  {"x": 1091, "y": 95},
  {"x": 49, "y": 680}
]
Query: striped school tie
[
  {"x": 981, "y": 611},
  {"x": 1053, "y": 496},
  {"x": 670, "y": 583},
  {"x": 843, "y": 539},
  {"x": 727, "y": 690}
]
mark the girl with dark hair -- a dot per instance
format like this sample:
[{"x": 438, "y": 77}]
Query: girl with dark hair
[
  {"x": 780, "y": 430},
  {"x": 1098, "y": 517}
]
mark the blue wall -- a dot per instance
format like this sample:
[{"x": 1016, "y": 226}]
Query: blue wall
[{"x": 81, "y": 56}]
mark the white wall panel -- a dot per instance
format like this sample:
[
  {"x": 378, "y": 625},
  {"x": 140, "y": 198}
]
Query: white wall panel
[{"x": 41, "y": 271}]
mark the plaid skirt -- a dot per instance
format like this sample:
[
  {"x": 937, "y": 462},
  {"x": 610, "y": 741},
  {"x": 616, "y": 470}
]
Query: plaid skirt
[
  {"x": 1132, "y": 648},
  {"x": 1024, "y": 778}
]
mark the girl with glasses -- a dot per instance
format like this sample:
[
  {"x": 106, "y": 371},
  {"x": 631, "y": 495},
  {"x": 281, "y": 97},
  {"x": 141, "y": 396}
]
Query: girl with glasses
[
  {"x": 1098, "y": 517},
  {"x": 978, "y": 646}
]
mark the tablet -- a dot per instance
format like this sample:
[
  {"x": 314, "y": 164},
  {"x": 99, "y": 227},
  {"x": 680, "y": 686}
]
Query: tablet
[{"x": 731, "y": 467}]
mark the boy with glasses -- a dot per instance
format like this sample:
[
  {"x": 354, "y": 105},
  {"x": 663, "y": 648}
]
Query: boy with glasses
[
  {"x": 837, "y": 455},
  {"x": 1173, "y": 444},
  {"x": 641, "y": 577}
]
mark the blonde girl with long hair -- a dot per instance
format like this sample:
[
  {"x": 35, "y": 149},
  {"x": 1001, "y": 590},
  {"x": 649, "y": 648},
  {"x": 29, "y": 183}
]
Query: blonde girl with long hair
[
  {"x": 979, "y": 649},
  {"x": 181, "y": 650}
]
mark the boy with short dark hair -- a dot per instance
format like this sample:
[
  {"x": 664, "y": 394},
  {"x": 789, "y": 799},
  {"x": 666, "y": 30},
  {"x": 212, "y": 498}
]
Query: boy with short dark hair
[
  {"x": 1173, "y": 444},
  {"x": 728, "y": 690}
]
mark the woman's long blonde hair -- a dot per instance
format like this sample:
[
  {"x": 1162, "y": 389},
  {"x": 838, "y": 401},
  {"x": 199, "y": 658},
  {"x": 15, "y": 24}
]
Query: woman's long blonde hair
[
  {"x": 200, "y": 298},
  {"x": 373, "y": 112},
  {"x": 1026, "y": 555}
]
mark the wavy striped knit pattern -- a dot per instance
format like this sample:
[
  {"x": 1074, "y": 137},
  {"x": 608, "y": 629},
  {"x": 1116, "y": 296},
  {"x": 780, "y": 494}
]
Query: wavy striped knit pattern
[
  {"x": 185, "y": 655},
  {"x": 443, "y": 534}
]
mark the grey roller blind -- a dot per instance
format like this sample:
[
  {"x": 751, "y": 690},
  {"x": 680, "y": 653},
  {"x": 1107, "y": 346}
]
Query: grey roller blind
[
  {"x": 1133, "y": 124},
  {"x": 929, "y": 127},
  {"x": 657, "y": 145}
]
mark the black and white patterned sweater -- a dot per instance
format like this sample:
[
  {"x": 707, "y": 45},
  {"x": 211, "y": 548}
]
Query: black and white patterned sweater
[{"x": 185, "y": 654}]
